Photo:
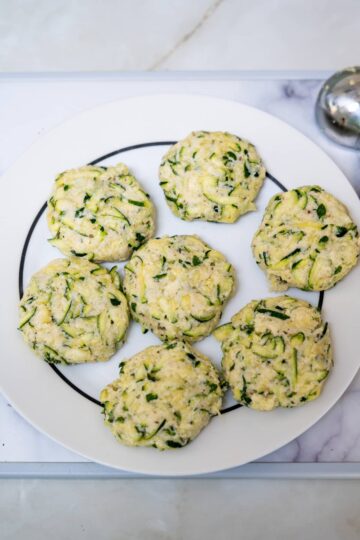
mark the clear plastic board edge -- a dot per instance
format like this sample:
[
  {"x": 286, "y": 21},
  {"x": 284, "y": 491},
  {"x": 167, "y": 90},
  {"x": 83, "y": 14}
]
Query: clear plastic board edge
[
  {"x": 251, "y": 470},
  {"x": 168, "y": 75}
]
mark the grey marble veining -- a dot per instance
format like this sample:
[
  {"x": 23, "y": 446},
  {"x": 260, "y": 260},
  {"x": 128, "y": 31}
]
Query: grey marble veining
[
  {"x": 188, "y": 35},
  {"x": 28, "y": 107},
  {"x": 202, "y": 34}
]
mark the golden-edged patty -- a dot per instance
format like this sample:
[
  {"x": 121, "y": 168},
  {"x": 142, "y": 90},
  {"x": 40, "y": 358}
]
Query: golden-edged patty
[
  {"x": 98, "y": 214},
  {"x": 177, "y": 286},
  {"x": 213, "y": 176},
  {"x": 73, "y": 311},
  {"x": 164, "y": 397},
  {"x": 276, "y": 353},
  {"x": 307, "y": 239}
]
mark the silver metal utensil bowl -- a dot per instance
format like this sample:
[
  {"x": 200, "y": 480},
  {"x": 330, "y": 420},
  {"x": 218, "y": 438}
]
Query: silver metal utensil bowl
[{"x": 338, "y": 107}]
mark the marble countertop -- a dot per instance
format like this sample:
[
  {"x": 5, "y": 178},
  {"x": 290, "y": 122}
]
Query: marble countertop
[
  {"x": 30, "y": 105},
  {"x": 89, "y": 35},
  {"x": 127, "y": 35}
]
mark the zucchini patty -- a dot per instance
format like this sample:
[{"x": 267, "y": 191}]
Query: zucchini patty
[
  {"x": 98, "y": 214},
  {"x": 276, "y": 353},
  {"x": 213, "y": 176},
  {"x": 73, "y": 312},
  {"x": 307, "y": 239},
  {"x": 177, "y": 286},
  {"x": 164, "y": 397}
]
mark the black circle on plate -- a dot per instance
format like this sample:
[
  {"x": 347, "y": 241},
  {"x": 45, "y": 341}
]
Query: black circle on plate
[{"x": 42, "y": 210}]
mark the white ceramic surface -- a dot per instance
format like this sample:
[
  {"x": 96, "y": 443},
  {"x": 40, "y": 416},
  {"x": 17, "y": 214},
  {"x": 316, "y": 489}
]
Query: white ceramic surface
[{"x": 44, "y": 399}]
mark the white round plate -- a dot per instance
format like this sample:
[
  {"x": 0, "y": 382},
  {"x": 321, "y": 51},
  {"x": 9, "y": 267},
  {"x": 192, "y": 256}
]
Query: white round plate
[{"x": 66, "y": 409}]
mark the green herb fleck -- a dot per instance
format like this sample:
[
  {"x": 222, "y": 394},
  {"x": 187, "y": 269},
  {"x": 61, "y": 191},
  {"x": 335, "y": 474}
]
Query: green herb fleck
[
  {"x": 321, "y": 211},
  {"x": 246, "y": 171},
  {"x": 140, "y": 238},
  {"x": 195, "y": 362},
  {"x": 159, "y": 276},
  {"x": 79, "y": 213},
  {"x": 212, "y": 386},
  {"x": 174, "y": 444},
  {"x": 196, "y": 261},
  {"x": 341, "y": 231},
  {"x": 243, "y": 395},
  {"x": 247, "y": 328},
  {"x": 121, "y": 366}
]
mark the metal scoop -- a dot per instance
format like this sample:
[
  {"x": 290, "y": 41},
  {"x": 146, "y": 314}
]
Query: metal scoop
[{"x": 338, "y": 107}]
